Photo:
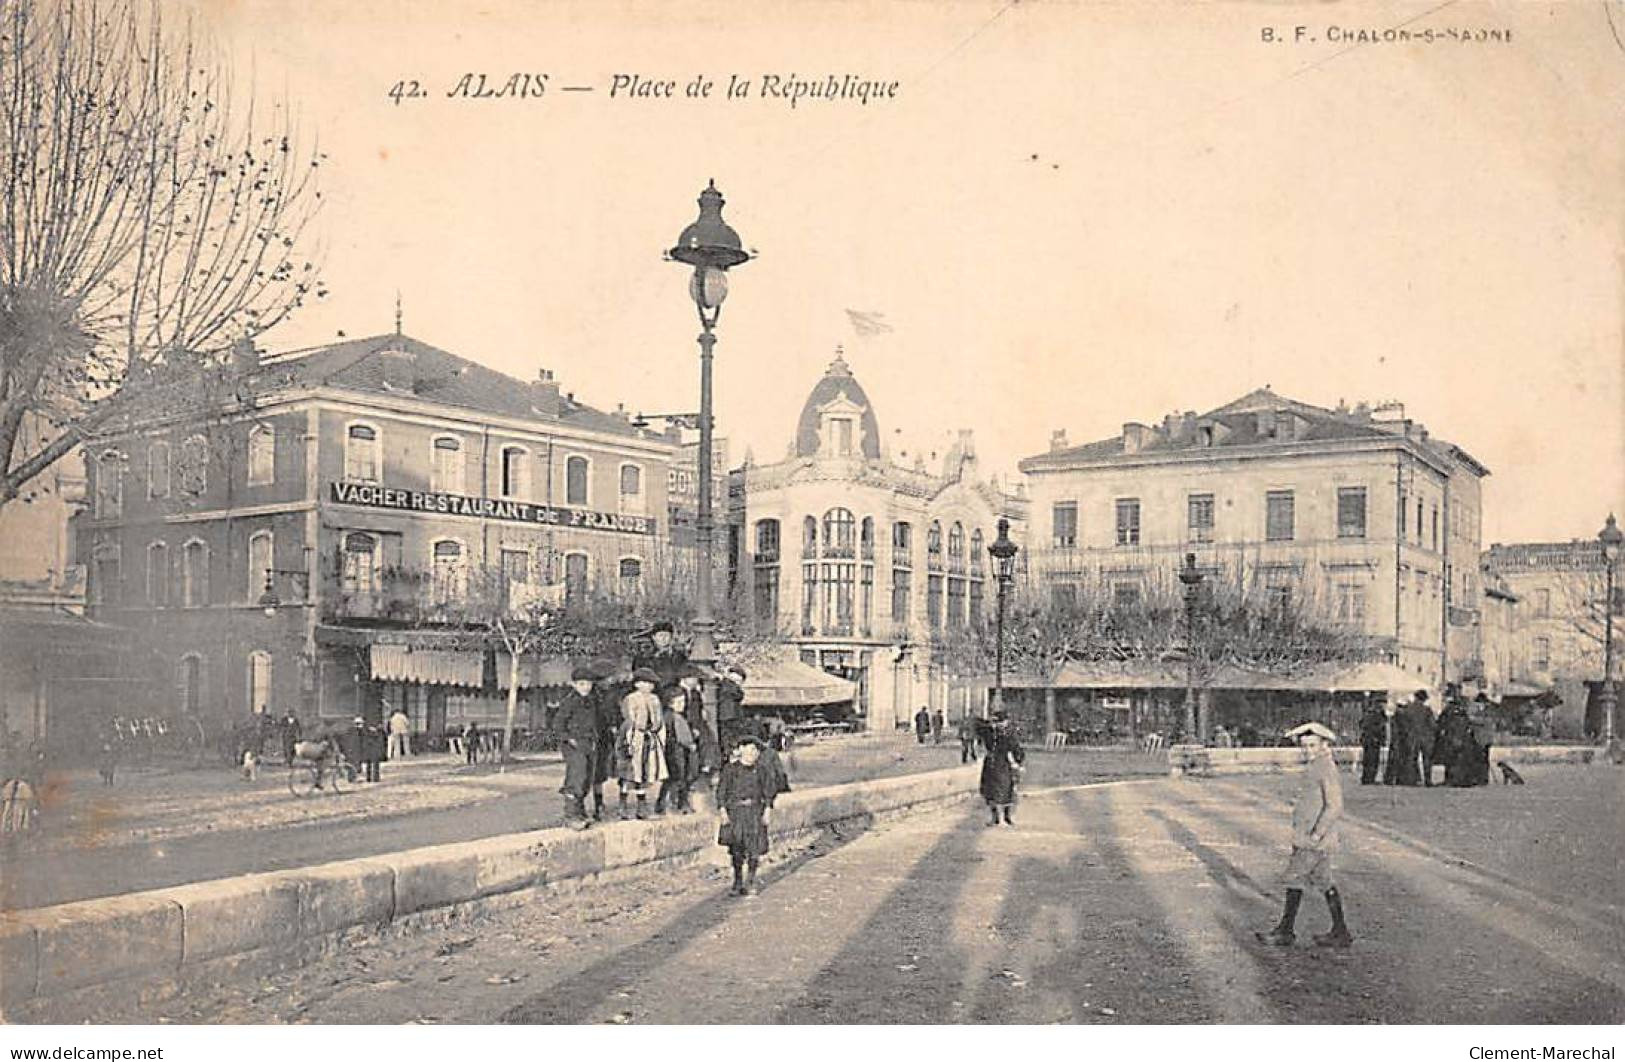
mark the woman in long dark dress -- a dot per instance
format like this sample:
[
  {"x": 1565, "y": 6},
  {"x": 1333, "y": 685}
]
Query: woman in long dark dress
[
  {"x": 1001, "y": 768},
  {"x": 745, "y": 793}
]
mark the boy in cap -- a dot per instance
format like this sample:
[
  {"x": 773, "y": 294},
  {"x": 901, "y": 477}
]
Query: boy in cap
[
  {"x": 576, "y": 724},
  {"x": 730, "y": 707},
  {"x": 745, "y": 793},
  {"x": 1315, "y": 816}
]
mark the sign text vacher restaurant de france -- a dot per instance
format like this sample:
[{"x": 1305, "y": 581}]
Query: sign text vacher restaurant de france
[{"x": 427, "y": 501}]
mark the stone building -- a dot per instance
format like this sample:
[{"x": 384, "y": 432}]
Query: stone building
[
  {"x": 860, "y": 562},
  {"x": 1360, "y": 516},
  {"x": 288, "y": 536}
]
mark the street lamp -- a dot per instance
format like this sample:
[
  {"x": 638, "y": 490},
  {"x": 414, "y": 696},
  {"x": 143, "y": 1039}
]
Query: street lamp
[
  {"x": 1610, "y": 536},
  {"x": 1192, "y": 577},
  {"x": 1003, "y": 552},
  {"x": 269, "y": 601},
  {"x": 711, "y": 248}
]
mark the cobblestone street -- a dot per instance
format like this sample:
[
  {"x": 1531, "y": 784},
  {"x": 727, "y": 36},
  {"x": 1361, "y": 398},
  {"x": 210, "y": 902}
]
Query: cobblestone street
[{"x": 1131, "y": 902}]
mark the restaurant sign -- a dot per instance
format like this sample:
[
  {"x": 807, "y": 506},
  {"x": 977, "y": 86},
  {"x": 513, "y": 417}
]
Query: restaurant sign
[{"x": 436, "y": 503}]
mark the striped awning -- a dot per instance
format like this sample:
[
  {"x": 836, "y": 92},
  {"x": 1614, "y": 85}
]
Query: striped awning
[
  {"x": 432, "y": 667},
  {"x": 790, "y": 683},
  {"x": 534, "y": 671}
]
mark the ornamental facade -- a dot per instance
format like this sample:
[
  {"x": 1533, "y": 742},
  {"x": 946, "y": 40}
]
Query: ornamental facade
[{"x": 860, "y": 562}]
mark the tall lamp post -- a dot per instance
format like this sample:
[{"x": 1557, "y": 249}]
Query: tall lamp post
[
  {"x": 711, "y": 248},
  {"x": 1610, "y": 536},
  {"x": 1003, "y": 552},
  {"x": 1191, "y": 576}
]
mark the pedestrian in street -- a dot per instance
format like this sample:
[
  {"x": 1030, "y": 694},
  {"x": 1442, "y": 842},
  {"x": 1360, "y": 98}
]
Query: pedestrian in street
[
  {"x": 730, "y": 709},
  {"x": 643, "y": 742},
  {"x": 471, "y": 742},
  {"x": 1001, "y": 768},
  {"x": 939, "y": 722},
  {"x": 1373, "y": 728},
  {"x": 400, "y": 734},
  {"x": 607, "y": 705},
  {"x": 1316, "y": 813},
  {"x": 1481, "y": 722},
  {"x": 922, "y": 724},
  {"x": 576, "y": 726},
  {"x": 682, "y": 756},
  {"x": 745, "y": 795},
  {"x": 1390, "y": 767},
  {"x": 373, "y": 744},
  {"x": 107, "y": 761},
  {"x": 1420, "y": 736},
  {"x": 291, "y": 733},
  {"x": 1455, "y": 740},
  {"x": 967, "y": 738}
]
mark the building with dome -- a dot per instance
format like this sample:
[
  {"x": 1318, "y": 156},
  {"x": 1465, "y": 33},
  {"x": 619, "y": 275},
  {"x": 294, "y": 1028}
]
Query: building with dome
[{"x": 860, "y": 562}]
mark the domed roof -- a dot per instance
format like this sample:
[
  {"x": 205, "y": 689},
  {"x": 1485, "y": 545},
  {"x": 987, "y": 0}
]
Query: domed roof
[{"x": 836, "y": 382}]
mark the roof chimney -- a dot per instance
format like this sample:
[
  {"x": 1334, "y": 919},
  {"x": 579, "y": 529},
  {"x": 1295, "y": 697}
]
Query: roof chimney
[
  {"x": 244, "y": 358},
  {"x": 544, "y": 393},
  {"x": 1135, "y": 436},
  {"x": 1057, "y": 439}
]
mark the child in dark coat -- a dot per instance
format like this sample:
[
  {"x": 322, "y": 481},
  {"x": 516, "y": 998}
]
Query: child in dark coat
[
  {"x": 745, "y": 795},
  {"x": 682, "y": 756}
]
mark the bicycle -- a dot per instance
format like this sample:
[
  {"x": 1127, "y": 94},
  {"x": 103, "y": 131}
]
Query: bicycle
[{"x": 319, "y": 765}]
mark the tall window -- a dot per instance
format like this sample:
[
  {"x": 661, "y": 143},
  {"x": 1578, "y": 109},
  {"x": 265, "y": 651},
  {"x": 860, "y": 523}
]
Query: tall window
[
  {"x": 1543, "y": 603},
  {"x": 902, "y": 544},
  {"x": 194, "y": 465},
  {"x": 515, "y": 567},
  {"x": 1128, "y": 521},
  {"x": 1433, "y": 519},
  {"x": 575, "y": 481},
  {"x": 838, "y": 531},
  {"x": 766, "y": 577},
  {"x": 978, "y": 568},
  {"x": 447, "y": 561},
  {"x": 575, "y": 576},
  {"x": 809, "y": 537},
  {"x": 158, "y": 469},
  {"x": 1064, "y": 524},
  {"x": 259, "y": 682},
  {"x": 933, "y": 546},
  {"x": 837, "y": 580},
  {"x": 956, "y": 602},
  {"x": 1278, "y": 516},
  {"x": 976, "y": 602},
  {"x": 1419, "y": 521},
  {"x": 261, "y": 455},
  {"x": 259, "y": 565},
  {"x": 1278, "y": 593},
  {"x": 1543, "y": 654},
  {"x": 631, "y": 489},
  {"x": 1351, "y": 604},
  {"x": 866, "y": 538},
  {"x": 361, "y": 453},
  {"x": 933, "y": 601},
  {"x": 157, "y": 575},
  {"x": 109, "y": 486},
  {"x": 956, "y": 548},
  {"x": 902, "y": 585},
  {"x": 631, "y": 576},
  {"x": 809, "y": 594},
  {"x": 866, "y": 599},
  {"x": 767, "y": 541},
  {"x": 106, "y": 576},
  {"x": 1199, "y": 517},
  {"x": 195, "y": 574},
  {"x": 843, "y": 435},
  {"x": 189, "y": 682},
  {"x": 513, "y": 471},
  {"x": 446, "y": 468},
  {"x": 1351, "y": 512},
  {"x": 360, "y": 574}
]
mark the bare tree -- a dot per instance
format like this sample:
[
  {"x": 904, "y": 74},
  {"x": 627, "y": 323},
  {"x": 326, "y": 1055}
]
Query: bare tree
[{"x": 145, "y": 228}]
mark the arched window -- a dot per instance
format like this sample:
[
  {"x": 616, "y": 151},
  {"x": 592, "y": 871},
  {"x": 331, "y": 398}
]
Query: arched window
[
  {"x": 902, "y": 544},
  {"x": 446, "y": 465},
  {"x": 956, "y": 548},
  {"x": 933, "y": 545},
  {"x": 809, "y": 537},
  {"x": 575, "y": 480},
  {"x": 260, "y": 551},
  {"x": 261, "y": 455},
  {"x": 513, "y": 471},
  {"x": 977, "y": 553},
  {"x": 194, "y": 465},
  {"x": 106, "y": 576},
  {"x": 838, "y": 528},
  {"x": 631, "y": 576},
  {"x": 158, "y": 469},
  {"x": 631, "y": 488},
  {"x": 189, "y": 682},
  {"x": 109, "y": 485},
  {"x": 767, "y": 541},
  {"x": 195, "y": 574},
  {"x": 259, "y": 681},
  {"x": 866, "y": 538},
  {"x": 361, "y": 453},
  {"x": 447, "y": 560},
  {"x": 576, "y": 575},
  {"x": 157, "y": 575},
  {"x": 360, "y": 573}
]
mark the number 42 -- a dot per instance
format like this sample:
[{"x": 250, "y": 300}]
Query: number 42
[{"x": 406, "y": 90}]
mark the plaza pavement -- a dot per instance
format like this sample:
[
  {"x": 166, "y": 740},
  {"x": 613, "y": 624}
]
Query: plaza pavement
[{"x": 1131, "y": 902}]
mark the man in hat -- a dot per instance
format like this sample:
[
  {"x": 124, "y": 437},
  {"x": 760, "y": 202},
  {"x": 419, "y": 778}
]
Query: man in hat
[
  {"x": 576, "y": 724},
  {"x": 1420, "y": 734},
  {"x": 1373, "y": 728},
  {"x": 1315, "y": 816},
  {"x": 606, "y": 700},
  {"x": 662, "y": 655},
  {"x": 730, "y": 708}
]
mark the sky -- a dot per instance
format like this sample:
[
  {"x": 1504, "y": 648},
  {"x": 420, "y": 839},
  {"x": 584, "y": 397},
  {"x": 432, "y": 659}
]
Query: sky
[{"x": 1070, "y": 214}]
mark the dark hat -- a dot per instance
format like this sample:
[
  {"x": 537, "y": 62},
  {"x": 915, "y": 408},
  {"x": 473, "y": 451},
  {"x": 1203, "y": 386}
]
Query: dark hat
[
  {"x": 748, "y": 739},
  {"x": 584, "y": 672},
  {"x": 734, "y": 669},
  {"x": 601, "y": 668},
  {"x": 661, "y": 626},
  {"x": 643, "y": 674},
  {"x": 1421, "y": 695}
]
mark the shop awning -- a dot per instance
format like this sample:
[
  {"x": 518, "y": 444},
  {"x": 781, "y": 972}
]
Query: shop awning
[
  {"x": 432, "y": 667},
  {"x": 534, "y": 671},
  {"x": 1367, "y": 678},
  {"x": 792, "y": 684}
]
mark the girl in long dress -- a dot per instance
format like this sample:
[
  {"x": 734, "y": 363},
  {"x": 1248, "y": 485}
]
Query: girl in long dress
[
  {"x": 642, "y": 741},
  {"x": 745, "y": 793}
]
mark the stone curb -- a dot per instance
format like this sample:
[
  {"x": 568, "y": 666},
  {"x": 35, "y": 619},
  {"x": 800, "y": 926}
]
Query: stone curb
[
  {"x": 1196, "y": 759},
  {"x": 147, "y": 939}
]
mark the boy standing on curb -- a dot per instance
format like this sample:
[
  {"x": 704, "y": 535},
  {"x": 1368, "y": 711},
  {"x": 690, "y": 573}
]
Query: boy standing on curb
[{"x": 1315, "y": 816}]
